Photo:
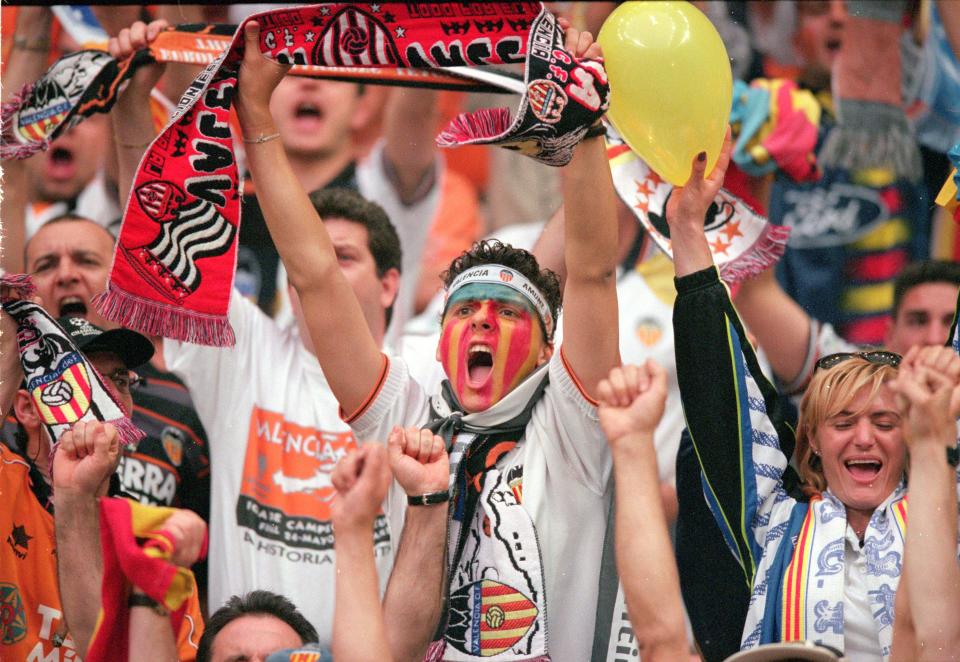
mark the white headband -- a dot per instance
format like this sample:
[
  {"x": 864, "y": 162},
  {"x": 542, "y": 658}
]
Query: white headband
[{"x": 498, "y": 274}]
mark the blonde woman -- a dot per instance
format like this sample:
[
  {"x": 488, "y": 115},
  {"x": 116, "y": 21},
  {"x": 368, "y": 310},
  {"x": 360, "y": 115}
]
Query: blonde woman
[{"x": 824, "y": 568}]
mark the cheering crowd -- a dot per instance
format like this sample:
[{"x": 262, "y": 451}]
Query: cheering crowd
[{"x": 462, "y": 404}]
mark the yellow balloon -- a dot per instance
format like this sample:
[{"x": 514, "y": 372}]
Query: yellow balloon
[{"x": 670, "y": 84}]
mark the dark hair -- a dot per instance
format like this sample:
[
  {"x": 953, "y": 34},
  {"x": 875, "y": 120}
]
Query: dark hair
[
  {"x": 493, "y": 251},
  {"x": 382, "y": 238},
  {"x": 920, "y": 273},
  {"x": 62, "y": 218},
  {"x": 256, "y": 603}
]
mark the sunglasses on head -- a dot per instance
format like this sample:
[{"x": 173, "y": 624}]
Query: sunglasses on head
[{"x": 879, "y": 356}]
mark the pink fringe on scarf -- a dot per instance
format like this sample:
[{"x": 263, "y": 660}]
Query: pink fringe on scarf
[
  {"x": 469, "y": 127},
  {"x": 765, "y": 252},
  {"x": 10, "y": 147},
  {"x": 156, "y": 319},
  {"x": 21, "y": 284}
]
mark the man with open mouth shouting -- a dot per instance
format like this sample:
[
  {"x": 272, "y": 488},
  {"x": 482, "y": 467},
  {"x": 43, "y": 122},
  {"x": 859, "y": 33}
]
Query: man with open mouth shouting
[{"x": 525, "y": 511}]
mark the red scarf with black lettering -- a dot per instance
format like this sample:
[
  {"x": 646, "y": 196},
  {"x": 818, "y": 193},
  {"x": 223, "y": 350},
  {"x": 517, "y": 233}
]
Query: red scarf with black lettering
[{"x": 173, "y": 269}]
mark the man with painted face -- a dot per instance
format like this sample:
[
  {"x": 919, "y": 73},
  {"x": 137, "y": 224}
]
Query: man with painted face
[{"x": 530, "y": 463}]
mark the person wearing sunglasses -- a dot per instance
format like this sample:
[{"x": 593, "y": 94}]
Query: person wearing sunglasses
[{"x": 824, "y": 567}]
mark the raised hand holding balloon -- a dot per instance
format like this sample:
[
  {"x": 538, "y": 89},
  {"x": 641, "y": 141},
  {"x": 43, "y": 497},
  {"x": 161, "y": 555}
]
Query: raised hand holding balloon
[{"x": 670, "y": 84}]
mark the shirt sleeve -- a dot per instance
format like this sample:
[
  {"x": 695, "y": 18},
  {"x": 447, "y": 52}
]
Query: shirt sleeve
[
  {"x": 733, "y": 415},
  {"x": 396, "y": 400},
  {"x": 575, "y": 437}
]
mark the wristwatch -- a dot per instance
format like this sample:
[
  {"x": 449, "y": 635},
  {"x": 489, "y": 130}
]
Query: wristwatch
[
  {"x": 430, "y": 499},
  {"x": 138, "y": 599},
  {"x": 953, "y": 455}
]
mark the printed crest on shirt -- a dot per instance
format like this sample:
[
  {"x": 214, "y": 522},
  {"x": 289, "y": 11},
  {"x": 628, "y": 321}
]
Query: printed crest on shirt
[
  {"x": 173, "y": 440},
  {"x": 13, "y": 618},
  {"x": 286, "y": 492}
]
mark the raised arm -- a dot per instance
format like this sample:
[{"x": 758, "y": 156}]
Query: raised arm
[
  {"x": 87, "y": 456},
  {"x": 410, "y": 151},
  {"x": 343, "y": 342},
  {"x": 361, "y": 480},
  {"x": 780, "y": 325},
  {"x": 631, "y": 405},
  {"x": 591, "y": 344},
  {"x": 132, "y": 123},
  {"x": 928, "y": 385},
  {"x": 26, "y": 62},
  {"x": 731, "y": 410},
  {"x": 414, "y": 596}
]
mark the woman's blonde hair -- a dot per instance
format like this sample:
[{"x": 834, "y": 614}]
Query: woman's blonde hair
[{"x": 830, "y": 391}]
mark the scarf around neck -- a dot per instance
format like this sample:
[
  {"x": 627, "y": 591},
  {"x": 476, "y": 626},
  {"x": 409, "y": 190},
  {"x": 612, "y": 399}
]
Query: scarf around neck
[
  {"x": 476, "y": 441},
  {"x": 799, "y": 590}
]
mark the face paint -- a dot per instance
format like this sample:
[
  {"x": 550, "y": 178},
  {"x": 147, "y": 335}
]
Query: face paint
[{"x": 489, "y": 343}]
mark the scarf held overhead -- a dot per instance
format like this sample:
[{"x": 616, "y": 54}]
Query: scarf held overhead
[
  {"x": 173, "y": 268},
  {"x": 63, "y": 384},
  {"x": 83, "y": 83},
  {"x": 742, "y": 242}
]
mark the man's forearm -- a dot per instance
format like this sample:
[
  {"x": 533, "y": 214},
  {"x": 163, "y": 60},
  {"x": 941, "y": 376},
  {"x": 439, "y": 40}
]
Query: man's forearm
[
  {"x": 79, "y": 563},
  {"x": 358, "y": 628},
  {"x": 151, "y": 636},
  {"x": 415, "y": 592},
  {"x": 645, "y": 562}
]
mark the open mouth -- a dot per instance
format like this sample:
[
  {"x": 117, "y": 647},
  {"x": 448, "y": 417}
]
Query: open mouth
[
  {"x": 863, "y": 469},
  {"x": 60, "y": 163},
  {"x": 73, "y": 307},
  {"x": 833, "y": 45},
  {"x": 479, "y": 364},
  {"x": 308, "y": 110}
]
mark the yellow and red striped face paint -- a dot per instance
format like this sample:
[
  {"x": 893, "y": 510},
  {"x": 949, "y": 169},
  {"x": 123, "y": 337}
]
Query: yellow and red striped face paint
[{"x": 488, "y": 318}]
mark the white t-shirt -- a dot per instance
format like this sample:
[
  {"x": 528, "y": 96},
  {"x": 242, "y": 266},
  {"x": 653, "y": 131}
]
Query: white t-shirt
[
  {"x": 275, "y": 435},
  {"x": 413, "y": 224},
  {"x": 559, "y": 472}
]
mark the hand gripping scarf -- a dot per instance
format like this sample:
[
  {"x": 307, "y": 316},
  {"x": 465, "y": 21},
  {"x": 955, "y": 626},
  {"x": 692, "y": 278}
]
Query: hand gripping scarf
[
  {"x": 173, "y": 268},
  {"x": 88, "y": 81},
  {"x": 136, "y": 552},
  {"x": 63, "y": 384},
  {"x": 742, "y": 242}
]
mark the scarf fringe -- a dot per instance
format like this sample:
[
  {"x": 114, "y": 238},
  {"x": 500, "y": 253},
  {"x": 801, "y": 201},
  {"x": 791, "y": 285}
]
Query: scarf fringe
[
  {"x": 482, "y": 124},
  {"x": 435, "y": 651},
  {"x": 158, "y": 319},
  {"x": 765, "y": 252},
  {"x": 10, "y": 147},
  {"x": 855, "y": 148},
  {"x": 21, "y": 284}
]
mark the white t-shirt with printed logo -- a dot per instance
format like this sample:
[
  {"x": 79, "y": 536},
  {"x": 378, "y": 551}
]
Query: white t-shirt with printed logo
[
  {"x": 565, "y": 465},
  {"x": 275, "y": 435}
]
